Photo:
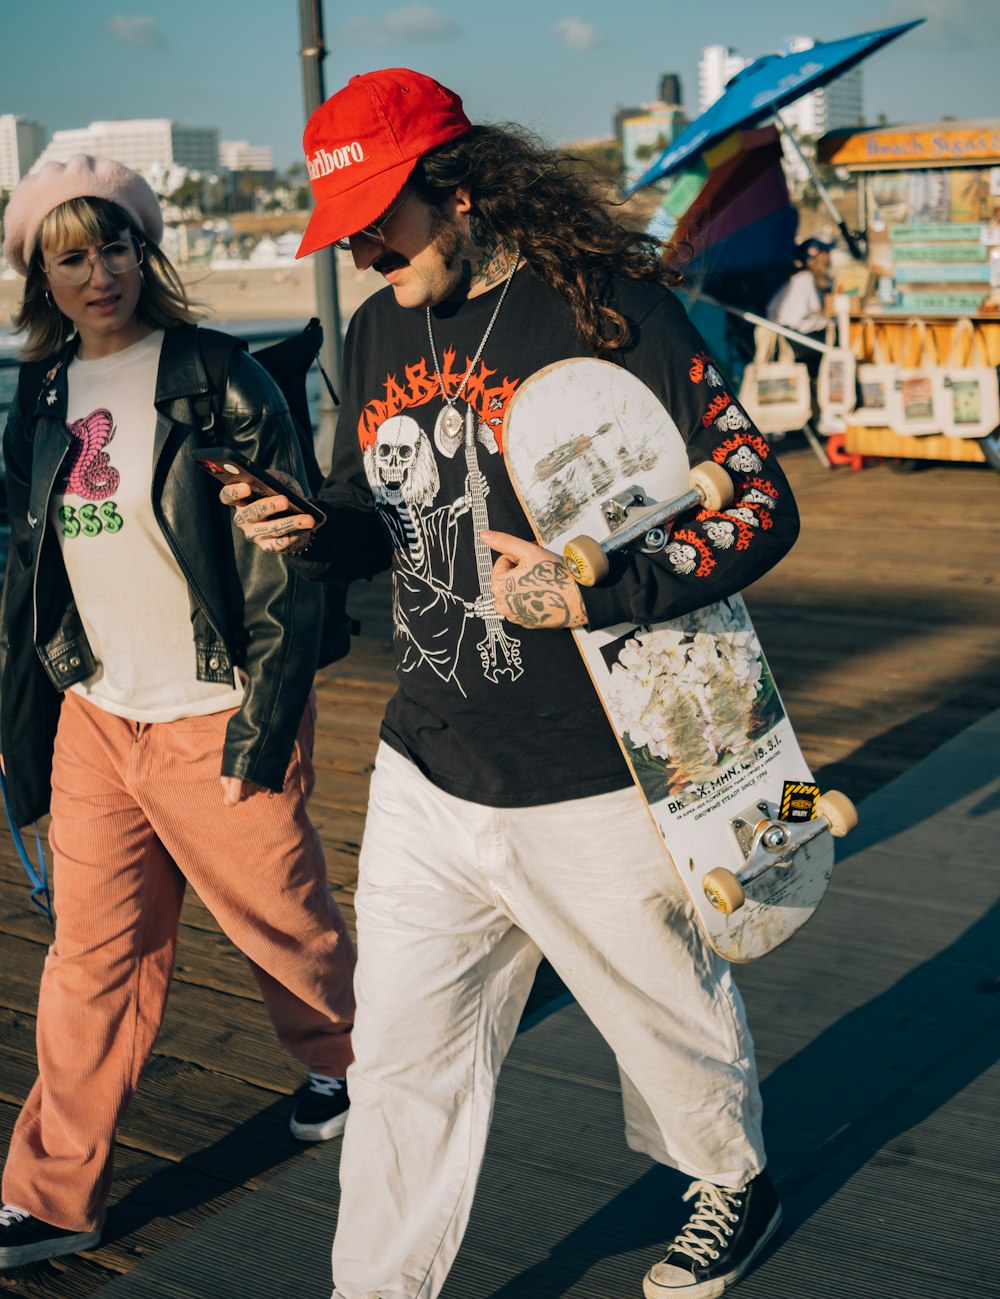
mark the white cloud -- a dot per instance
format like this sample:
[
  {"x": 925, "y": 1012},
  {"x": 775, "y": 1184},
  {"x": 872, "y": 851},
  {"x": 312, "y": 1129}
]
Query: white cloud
[
  {"x": 139, "y": 32},
  {"x": 577, "y": 34},
  {"x": 410, "y": 23}
]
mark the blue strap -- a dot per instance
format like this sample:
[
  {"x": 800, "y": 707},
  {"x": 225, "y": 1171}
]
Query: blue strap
[{"x": 39, "y": 879}]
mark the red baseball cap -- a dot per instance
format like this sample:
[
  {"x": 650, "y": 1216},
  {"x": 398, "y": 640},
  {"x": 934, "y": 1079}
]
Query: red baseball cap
[{"x": 363, "y": 143}]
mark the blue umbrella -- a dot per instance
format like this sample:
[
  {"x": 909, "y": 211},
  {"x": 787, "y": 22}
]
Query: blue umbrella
[{"x": 767, "y": 85}]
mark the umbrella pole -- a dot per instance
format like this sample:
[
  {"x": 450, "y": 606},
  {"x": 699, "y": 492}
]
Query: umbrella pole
[
  {"x": 753, "y": 319},
  {"x": 849, "y": 239}
]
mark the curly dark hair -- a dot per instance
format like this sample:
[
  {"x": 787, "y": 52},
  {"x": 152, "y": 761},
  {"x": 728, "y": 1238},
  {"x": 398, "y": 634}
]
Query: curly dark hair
[{"x": 543, "y": 202}]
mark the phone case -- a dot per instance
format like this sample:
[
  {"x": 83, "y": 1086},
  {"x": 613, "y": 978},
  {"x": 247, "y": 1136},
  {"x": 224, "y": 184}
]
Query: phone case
[{"x": 227, "y": 466}]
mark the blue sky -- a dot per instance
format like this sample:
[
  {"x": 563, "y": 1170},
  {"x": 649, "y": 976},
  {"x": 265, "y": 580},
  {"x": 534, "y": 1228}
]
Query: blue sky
[{"x": 561, "y": 67}]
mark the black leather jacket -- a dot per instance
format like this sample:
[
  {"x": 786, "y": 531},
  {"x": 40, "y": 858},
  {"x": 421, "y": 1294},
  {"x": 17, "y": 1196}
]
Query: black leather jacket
[{"x": 248, "y": 612}]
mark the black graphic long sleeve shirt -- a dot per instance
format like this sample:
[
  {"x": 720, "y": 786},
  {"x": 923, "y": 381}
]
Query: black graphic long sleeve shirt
[{"x": 490, "y": 711}]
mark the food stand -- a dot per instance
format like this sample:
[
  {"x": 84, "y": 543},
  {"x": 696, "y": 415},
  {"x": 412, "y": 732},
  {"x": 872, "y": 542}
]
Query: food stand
[{"x": 930, "y": 199}]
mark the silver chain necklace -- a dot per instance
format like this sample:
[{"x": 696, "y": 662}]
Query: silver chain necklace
[{"x": 449, "y": 423}]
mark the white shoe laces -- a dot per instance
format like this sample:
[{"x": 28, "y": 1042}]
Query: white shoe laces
[
  {"x": 711, "y": 1217},
  {"x": 323, "y": 1086},
  {"x": 11, "y": 1215}
]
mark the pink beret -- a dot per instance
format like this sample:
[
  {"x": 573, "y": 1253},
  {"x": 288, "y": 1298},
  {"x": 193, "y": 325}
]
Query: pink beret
[{"x": 44, "y": 190}]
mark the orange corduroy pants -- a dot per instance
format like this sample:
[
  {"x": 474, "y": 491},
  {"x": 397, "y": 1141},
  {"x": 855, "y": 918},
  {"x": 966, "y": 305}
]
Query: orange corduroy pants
[{"x": 137, "y": 812}]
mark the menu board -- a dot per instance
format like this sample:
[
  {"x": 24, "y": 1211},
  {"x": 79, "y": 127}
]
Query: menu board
[{"x": 927, "y": 241}]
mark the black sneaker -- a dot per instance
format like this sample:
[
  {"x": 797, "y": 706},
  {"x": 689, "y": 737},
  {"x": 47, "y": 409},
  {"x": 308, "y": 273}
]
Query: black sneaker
[
  {"x": 724, "y": 1234},
  {"x": 321, "y": 1109},
  {"x": 24, "y": 1239}
]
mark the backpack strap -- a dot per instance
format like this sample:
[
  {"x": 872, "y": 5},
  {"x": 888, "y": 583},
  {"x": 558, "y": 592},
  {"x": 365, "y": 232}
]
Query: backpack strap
[
  {"x": 216, "y": 350},
  {"x": 288, "y": 362}
]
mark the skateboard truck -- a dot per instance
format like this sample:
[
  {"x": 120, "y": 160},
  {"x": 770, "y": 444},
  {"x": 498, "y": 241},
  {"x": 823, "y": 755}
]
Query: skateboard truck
[
  {"x": 767, "y": 842},
  {"x": 635, "y": 519}
]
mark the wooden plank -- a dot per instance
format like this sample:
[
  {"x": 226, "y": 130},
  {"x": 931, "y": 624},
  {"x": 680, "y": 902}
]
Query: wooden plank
[
  {"x": 880, "y": 628},
  {"x": 878, "y": 1048},
  {"x": 859, "y": 440}
]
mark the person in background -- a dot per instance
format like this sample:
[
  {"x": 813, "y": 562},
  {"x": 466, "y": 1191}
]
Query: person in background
[
  {"x": 155, "y": 694},
  {"x": 799, "y": 303},
  {"x": 503, "y": 823}
]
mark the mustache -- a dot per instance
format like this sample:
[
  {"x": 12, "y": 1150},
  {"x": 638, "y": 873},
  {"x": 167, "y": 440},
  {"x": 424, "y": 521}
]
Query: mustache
[{"x": 387, "y": 262}]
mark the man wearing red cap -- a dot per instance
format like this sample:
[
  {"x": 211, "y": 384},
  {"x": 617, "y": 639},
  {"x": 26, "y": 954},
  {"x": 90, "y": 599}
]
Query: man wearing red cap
[{"x": 503, "y": 823}]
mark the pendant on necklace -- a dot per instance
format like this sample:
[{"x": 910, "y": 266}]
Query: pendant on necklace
[{"x": 449, "y": 431}]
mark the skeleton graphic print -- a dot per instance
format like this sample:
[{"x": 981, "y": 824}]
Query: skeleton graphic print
[{"x": 431, "y": 480}]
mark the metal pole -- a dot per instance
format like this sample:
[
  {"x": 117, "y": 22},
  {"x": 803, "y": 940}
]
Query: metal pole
[
  {"x": 313, "y": 52},
  {"x": 752, "y": 318},
  {"x": 849, "y": 238}
]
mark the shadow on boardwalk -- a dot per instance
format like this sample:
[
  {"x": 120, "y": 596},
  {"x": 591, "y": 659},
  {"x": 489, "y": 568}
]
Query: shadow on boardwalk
[
  {"x": 879, "y": 1046},
  {"x": 857, "y": 1091}
]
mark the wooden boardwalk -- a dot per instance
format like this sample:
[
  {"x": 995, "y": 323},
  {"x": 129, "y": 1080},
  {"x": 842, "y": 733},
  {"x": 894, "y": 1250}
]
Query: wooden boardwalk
[
  {"x": 880, "y": 1055},
  {"x": 881, "y": 628}
]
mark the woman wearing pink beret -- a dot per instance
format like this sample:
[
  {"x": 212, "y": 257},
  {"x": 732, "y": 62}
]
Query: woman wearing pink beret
[{"x": 155, "y": 696}]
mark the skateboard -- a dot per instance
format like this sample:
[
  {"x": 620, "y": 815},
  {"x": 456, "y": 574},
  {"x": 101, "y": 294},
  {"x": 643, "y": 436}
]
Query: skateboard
[{"x": 599, "y": 466}]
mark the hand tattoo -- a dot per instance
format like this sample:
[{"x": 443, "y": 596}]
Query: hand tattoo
[
  {"x": 540, "y": 597},
  {"x": 255, "y": 511}
]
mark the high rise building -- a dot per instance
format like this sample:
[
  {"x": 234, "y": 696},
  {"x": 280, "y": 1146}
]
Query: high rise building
[
  {"x": 670, "y": 89},
  {"x": 21, "y": 142},
  {"x": 839, "y": 103},
  {"x": 239, "y": 155},
  {"x": 140, "y": 143},
  {"x": 717, "y": 65}
]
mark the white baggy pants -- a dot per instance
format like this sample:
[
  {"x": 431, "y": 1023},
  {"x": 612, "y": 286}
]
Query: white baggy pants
[{"x": 456, "y": 904}]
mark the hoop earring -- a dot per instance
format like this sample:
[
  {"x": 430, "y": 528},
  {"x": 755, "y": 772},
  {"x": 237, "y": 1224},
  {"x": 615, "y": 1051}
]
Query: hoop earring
[{"x": 48, "y": 298}]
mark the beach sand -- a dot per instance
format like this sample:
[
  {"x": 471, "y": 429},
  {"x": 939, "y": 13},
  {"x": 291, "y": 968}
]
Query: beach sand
[{"x": 250, "y": 292}]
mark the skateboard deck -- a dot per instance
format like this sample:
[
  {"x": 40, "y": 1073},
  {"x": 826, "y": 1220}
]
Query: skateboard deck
[{"x": 692, "y": 701}]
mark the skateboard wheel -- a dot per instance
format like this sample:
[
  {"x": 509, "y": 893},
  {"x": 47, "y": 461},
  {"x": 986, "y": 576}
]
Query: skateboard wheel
[
  {"x": 723, "y": 890},
  {"x": 713, "y": 484},
  {"x": 838, "y": 812},
  {"x": 585, "y": 560}
]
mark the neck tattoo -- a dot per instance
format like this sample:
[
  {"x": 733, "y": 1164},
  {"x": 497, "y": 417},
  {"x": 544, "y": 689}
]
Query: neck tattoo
[{"x": 449, "y": 424}]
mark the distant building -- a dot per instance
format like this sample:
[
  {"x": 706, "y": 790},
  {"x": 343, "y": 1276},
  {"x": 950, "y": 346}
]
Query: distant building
[
  {"x": 238, "y": 155},
  {"x": 644, "y": 130},
  {"x": 840, "y": 103},
  {"x": 834, "y": 105},
  {"x": 717, "y": 65},
  {"x": 622, "y": 115},
  {"x": 644, "y": 133},
  {"x": 670, "y": 89},
  {"x": 140, "y": 143},
  {"x": 21, "y": 142}
]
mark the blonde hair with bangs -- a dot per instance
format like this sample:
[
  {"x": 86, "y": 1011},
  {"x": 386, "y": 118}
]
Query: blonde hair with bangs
[{"x": 163, "y": 300}]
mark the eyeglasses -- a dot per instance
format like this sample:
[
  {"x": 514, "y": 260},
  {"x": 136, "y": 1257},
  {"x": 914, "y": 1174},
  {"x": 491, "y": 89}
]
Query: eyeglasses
[
  {"x": 72, "y": 269},
  {"x": 374, "y": 232}
]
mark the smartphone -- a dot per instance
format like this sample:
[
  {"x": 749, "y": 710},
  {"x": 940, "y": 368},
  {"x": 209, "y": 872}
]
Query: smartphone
[{"x": 228, "y": 466}]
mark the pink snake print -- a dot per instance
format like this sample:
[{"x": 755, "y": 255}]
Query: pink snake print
[{"x": 88, "y": 471}]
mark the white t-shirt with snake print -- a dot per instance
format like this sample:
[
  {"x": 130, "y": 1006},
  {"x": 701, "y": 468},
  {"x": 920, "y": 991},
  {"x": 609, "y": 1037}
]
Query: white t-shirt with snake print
[{"x": 132, "y": 597}]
